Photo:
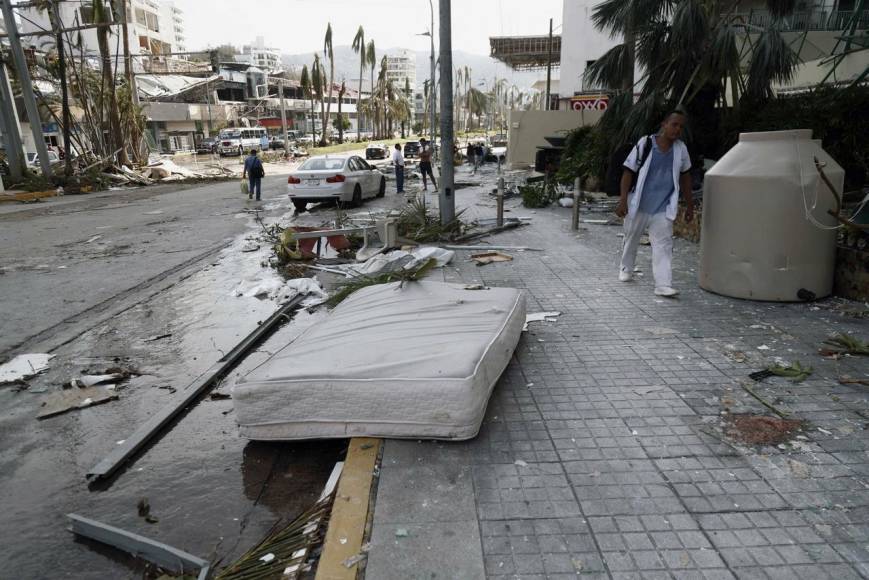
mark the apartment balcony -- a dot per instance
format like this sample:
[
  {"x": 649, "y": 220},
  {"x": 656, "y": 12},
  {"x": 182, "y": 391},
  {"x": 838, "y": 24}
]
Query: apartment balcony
[{"x": 803, "y": 21}]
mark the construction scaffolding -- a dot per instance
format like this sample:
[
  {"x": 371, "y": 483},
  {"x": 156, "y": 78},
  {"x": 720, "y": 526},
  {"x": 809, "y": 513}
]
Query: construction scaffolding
[{"x": 525, "y": 52}]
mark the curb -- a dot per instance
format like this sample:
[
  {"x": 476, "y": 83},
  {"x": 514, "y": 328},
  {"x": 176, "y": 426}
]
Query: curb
[{"x": 349, "y": 512}]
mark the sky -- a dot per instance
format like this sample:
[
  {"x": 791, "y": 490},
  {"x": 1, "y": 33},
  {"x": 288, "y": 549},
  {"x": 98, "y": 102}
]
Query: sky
[{"x": 298, "y": 26}]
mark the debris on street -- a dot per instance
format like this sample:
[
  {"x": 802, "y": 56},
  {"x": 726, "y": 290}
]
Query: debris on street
[
  {"x": 167, "y": 557},
  {"x": 761, "y": 429},
  {"x": 490, "y": 257},
  {"x": 23, "y": 367},
  {"x": 795, "y": 371},
  {"x": 68, "y": 400},
  {"x": 845, "y": 344},
  {"x": 85, "y": 381},
  {"x": 548, "y": 316}
]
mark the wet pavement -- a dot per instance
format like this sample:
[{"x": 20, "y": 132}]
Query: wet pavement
[{"x": 214, "y": 494}]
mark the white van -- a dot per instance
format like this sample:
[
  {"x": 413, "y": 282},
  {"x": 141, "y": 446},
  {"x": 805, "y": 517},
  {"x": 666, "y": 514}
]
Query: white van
[{"x": 239, "y": 140}]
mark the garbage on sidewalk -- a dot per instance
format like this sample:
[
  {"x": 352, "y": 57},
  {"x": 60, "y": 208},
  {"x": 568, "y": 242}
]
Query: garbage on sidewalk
[
  {"x": 363, "y": 371},
  {"x": 548, "y": 316},
  {"x": 85, "y": 381},
  {"x": 270, "y": 287},
  {"x": 490, "y": 257},
  {"x": 23, "y": 367}
]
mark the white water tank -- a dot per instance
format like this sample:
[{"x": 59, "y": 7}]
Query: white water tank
[{"x": 766, "y": 233}]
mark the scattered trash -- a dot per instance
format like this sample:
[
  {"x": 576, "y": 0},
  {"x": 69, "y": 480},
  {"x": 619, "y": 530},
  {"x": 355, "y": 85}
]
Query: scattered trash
[
  {"x": 23, "y": 367},
  {"x": 761, "y": 429},
  {"x": 488, "y": 248},
  {"x": 825, "y": 432},
  {"x": 63, "y": 401},
  {"x": 267, "y": 558},
  {"x": 250, "y": 247},
  {"x": 846, "y": 380},
  {"x": 91, "y": 380},
  {"x": 401, "y": 533},
  {"x": 795, "y": 372},
  {"x": 144, "y": 509},
  {"x": 353, "y": 560},
  {"x": 540, "y": 317},
  {"x": 763, "y": 401},
  {"x": 157, "y": 337},
  {"x": 520, "y": 463},
  {"x": 94, "y": 238},
  {"x": 645, "y": 241},
  {"x": 218, "y": 396},
  {"x": 566, "y": 202},
  {"x": 736, "y": 356},
  {"x": 763, "y": 347},
  {"x": 490, "y": 257},
  {"x": 647, "y": 390},
  {"x": 845, "y": 344}
]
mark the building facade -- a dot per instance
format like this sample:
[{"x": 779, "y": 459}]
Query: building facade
[
  {"x": 260, "y": 56},
  {"x": 401, "y": 70}
]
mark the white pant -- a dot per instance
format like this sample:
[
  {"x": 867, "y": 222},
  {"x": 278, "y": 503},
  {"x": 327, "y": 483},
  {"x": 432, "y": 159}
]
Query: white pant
[{"x": 661, "y": 236}]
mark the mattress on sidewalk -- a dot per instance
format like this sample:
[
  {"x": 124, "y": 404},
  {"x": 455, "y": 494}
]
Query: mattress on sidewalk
[{"x": 413, "y": 360}]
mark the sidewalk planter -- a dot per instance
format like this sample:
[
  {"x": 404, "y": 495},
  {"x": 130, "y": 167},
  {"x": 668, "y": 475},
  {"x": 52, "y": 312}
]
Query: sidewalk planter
[{"x": 766, "y": 233}]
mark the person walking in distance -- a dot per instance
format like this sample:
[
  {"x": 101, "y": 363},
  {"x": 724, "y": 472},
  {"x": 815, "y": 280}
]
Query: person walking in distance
[
  {"x": 655, "y": 171},
  {"x": 425, "y": 164},
  {"x": 398, "y": 162},
  {"x": 254, "y": 171},
  {"x": 471, "y": 154}
]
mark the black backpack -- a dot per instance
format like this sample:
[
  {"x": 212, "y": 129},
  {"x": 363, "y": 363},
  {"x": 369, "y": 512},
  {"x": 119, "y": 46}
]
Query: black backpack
[{"x": 256, "y": 169}]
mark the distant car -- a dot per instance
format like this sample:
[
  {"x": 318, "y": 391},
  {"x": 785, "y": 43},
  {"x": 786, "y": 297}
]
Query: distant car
[
  {"x": 33, "y": 160},
  {"x": 411, "y": 149},
  {"x": 277, "y": 143},
  {"x": 376, "y": 151},
  {"x": 207, "y": 146},
  {"x": 343, "y": 179}
]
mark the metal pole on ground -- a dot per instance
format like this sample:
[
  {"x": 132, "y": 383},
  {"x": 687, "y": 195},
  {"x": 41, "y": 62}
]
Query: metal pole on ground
[
  {"x": 447, "y": 199},
  {"x": 26, "y": 86}
]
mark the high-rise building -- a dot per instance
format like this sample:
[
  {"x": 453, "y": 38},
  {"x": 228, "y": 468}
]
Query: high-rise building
[
  {"x": 155, "y": 28},
  {"x": 260, "y": 56},
  {"x": 401, "y": 70}
]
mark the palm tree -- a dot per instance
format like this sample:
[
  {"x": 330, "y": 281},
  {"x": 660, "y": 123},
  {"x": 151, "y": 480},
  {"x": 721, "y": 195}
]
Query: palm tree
[
  {"x": 318, "y": 82},
  {"x": 359, "y": 48},
  {"x": 328, "y": 53},
  {"x": 407, "y": 99},
  {"x": 371, "y": 57},
  {"x": 101, "y": 13},
  {"x": 341, "y": 90},
  {"x": 477, "y": 103},
  {"x": 683, "y": 48},
  {"x": 308, "y": 91}
]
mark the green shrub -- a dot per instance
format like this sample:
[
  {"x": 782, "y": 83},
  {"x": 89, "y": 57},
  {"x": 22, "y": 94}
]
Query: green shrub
[
  {"x": 539, "y": 194},
  {"x": 585, "y": 155}
]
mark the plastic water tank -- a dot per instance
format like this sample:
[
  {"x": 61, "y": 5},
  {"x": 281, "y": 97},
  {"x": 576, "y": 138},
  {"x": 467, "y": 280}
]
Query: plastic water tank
[{"x": 766, "y": 233}]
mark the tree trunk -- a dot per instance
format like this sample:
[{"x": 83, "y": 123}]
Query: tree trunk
[
  {"x": 359, "y": 101},
  {"x": 340, "y": 118},
  {"x": 326, "y": 129},
  {"x": 116, "y": 141}
]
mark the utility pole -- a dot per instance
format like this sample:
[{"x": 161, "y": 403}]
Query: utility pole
[
  {"x": 548, "y": 67},
  {"x": 283, "y": 115},
  {"x": 447, "y": 199},
  {"x": 26, "y": 87},
  {"x": 10, "y": 127},
  {"x": 57, "y": 26},
  {"x": 431, "y": 89}
]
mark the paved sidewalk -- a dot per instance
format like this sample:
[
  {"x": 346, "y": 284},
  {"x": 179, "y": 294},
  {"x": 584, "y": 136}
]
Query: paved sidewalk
[{"x": 602, "y": 454}]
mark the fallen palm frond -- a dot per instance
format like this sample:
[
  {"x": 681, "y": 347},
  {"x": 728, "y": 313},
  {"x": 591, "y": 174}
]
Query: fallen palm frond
[
  {"x": 364, "y": 281},
  {"x": 284, "y": 551},
  {"x": 845, "y": 344},
  {"x": 417, "y": 223},
  {"x": 795, "y": 371}
]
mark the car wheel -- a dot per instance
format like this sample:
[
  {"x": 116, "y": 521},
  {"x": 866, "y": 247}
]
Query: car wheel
[
  {"x": 300, "y": 206},
  {"x": 381, "y": 191}
]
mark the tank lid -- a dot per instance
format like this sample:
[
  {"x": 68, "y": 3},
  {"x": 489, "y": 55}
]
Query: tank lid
[{"x": 802, "y": 134}]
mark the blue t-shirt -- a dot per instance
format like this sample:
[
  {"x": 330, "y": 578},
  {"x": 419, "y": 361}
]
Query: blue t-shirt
[
  {"x": 250, "y": 163},
  {"x": 658, "y": 186}
]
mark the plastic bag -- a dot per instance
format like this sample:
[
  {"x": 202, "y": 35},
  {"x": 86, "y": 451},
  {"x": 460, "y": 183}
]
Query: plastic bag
[{"x": 245, "y": 188}]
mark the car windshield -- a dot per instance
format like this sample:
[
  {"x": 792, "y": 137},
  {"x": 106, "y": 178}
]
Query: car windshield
[
  {"x": 322, "y": 164},
  {"x": 31, "y": 156}
]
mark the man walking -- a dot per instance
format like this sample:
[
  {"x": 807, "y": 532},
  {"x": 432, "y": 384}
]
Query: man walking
[
  {"x": 660, "y": 165},
  {"x": 425, "y": 164},
  {"x": 471, "y": 154},
  {"x": 398, "y": 162},
  {"x": 254, "y": 171}
]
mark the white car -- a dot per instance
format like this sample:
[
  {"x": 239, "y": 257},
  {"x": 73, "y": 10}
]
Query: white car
[{"x": 346, "y": 179}]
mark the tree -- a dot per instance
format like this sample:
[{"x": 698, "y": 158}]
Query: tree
[
  {"x": 340, "y": 126},
  {"x": 328, "y": 53},
  {"x": 308, "y": 90},
  {"x": 341, "y": 123},
  {"x": 101, "y": 14},
  {"x": 407, "y": 96},
  {"x": 686, "y": 48},
  {"x": 371, "y": 57},
  {"x": 359, "y": 48},
  {"x": 477, "y": 103}
]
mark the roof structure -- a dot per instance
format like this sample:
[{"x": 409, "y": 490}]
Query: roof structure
[{"x": 525, "y": 52}]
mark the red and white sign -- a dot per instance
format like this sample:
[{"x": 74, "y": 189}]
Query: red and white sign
[{"x": 589, "y": 102}]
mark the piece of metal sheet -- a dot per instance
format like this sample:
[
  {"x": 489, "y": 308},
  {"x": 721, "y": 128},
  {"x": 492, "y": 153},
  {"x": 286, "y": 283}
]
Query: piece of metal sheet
[
  {"x": 166, "y": 557},
  {"x": 111, "y": 462}
]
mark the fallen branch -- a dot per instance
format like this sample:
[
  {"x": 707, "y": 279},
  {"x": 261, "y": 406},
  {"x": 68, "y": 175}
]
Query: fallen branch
[{"x": 764, "y": 402}]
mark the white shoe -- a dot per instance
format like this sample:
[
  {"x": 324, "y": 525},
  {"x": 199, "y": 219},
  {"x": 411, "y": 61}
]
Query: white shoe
[
  {"x": 666, "y": 291},
  {"x": 625, "y": 276}
]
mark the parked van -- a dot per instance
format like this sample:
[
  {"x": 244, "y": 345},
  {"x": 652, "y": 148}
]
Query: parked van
[{"x": 237, "y": 141}]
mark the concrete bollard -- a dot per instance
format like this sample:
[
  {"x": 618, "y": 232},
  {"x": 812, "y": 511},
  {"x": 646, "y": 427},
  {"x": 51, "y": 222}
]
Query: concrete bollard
[
  {"x": 500, "y": 199},
  {"x": 577, "y": 194}
]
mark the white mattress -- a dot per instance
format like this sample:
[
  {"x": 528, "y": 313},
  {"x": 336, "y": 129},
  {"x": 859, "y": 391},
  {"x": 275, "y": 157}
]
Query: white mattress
[{"x": 417, "y": 360}]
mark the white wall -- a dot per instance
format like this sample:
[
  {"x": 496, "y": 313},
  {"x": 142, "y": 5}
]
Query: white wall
[
  {"x": 580, "y": 42},
  {"x": 527, "y": 130}
]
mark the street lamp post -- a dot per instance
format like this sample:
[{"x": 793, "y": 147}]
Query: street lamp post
[{"x": 434, "y": 98}]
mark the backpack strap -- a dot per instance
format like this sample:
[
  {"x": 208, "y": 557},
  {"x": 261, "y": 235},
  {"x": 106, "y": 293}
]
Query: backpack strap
[{"x": 647, "y": 150}]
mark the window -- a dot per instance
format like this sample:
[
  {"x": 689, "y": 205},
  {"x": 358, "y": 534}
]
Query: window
[
  {"x": 140, "y": 17},
  {"x": 153, "y": 22}
]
